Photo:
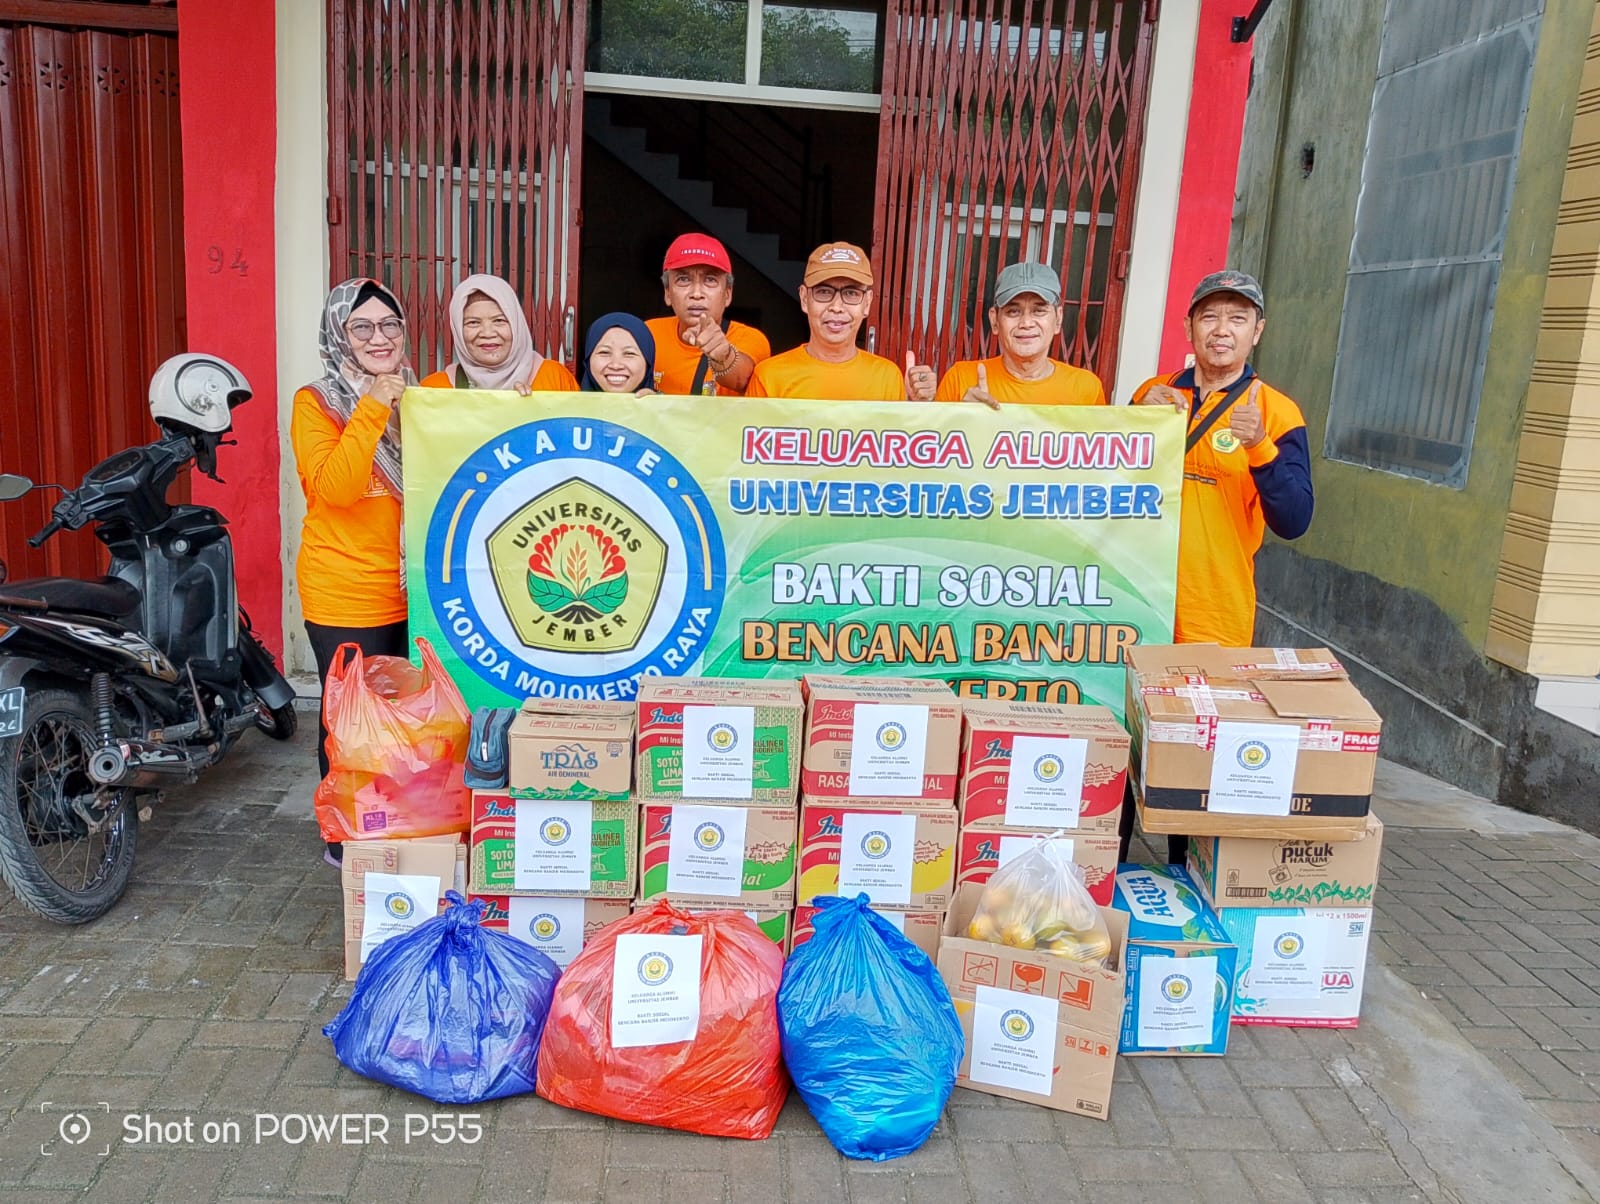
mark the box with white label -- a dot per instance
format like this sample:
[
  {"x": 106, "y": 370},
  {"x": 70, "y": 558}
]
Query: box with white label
[
  {"x": 921, "y": 928},
  {"x": 902, "y": 857},
  {"x": 984, "y": 850},
  {"x": 579, "y": 750},
  {"x": 556, "y": 925},
  {"x": 718, "y": 854},
  {"x": 881, "y": 737},
  {"x": 705, "y": 738},
  {"x": 438, "y": 863},
  {"x": 1025, "y": 1048},
  {"x": 553, "y": 846},
  {"x": 1041, "y": 765},
  {"x": 1299, "y": 967},
  {"x": 1262, "y": 742},
  {"x": 1181, "y": 965}
]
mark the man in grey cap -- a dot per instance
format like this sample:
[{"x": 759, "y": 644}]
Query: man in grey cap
[{"x": 1026, "y": 317}]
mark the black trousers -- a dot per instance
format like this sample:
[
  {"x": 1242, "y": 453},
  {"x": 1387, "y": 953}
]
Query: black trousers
[
  {"x": 1177, "y": 846},
  {"x": 325, "y": 641}
]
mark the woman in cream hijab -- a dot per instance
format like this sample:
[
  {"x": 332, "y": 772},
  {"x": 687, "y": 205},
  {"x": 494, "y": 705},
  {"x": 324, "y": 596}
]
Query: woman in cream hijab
[{"x": 493, "y": 344}]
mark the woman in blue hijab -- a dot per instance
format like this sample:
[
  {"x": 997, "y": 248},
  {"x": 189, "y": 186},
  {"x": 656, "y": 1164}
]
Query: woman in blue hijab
[{"x": 619, "y": 356}]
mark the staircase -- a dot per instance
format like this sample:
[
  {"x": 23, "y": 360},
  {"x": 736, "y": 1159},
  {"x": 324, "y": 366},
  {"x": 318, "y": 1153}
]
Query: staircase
[{"x": 779, "y": 193}]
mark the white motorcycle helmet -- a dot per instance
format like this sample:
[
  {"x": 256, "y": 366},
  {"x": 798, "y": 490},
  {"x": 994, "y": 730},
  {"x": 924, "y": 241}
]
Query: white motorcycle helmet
[{"x": 195, "y": 392}]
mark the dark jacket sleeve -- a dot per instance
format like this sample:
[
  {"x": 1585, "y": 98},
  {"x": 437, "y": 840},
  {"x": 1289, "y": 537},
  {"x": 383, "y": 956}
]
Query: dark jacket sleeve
[{"x": 1284, "y": 484}]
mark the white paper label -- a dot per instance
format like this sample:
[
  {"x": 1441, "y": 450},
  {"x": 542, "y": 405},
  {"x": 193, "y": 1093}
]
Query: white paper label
[
  {"x": 875, "y": 855},
  {"x": 1288, "y": 956},
  {"x": 396, "y": 903},
  {"x": 554, "y": 926},
  {"x": 888, "y": 749},
  {"x": 1012, "y": 847},
  {"x": 1045, "y": 786},
  {"x": 1013, "y": 1040},
  {"x": 554, "y": 845},
  {"x": 1176, "y": 998},
  {"x": 705, "y": 850},
  {"x": 719, "y": 752},
  {"x": 1252, "y": 769},
  {"x": 655, "y": 989}
]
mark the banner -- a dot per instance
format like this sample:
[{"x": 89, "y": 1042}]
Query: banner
[{"x": 564, "y": 545}]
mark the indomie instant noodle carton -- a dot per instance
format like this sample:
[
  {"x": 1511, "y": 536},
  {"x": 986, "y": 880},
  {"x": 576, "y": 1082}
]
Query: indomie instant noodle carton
[
  {"x": 1042, "y": 765},
  {"x": 882, "y": 737},
  {"x": 714, "y": 856},
  {"x": 902, "y": 857},
  {"x": 770, "y": 714}
]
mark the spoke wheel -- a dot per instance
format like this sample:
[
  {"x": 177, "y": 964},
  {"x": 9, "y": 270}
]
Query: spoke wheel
[{"x": 66, "y": 849}]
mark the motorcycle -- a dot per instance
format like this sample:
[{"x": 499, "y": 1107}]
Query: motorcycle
[{"x": 112, "y": 689}]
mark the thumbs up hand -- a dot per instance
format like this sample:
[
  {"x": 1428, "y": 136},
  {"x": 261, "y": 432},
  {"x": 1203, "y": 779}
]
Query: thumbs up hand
[
  {"x": 921, "y": 381},
  {"x": 1245, "y": 419},
  {"x": 980, "y": 391}
]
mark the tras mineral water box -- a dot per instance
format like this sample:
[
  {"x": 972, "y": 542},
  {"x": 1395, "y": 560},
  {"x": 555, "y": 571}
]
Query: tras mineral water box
[
  {"x": 1041, "y": 765},
  {"x": 1299, "y": 967},
  {"x": 553, "y": 846},
  {"x": 1239, "y": 871},
  {"x": 585, "y": 752},
  {"x": 704, "y": 738},
  {"x": 1181, "y": 965},
  {"x": 557, "y": 926},
  {"x": 881, "y": 737},
  {"x": 902, "y": 857},
  {"x": 984, "y": 850},
  {"x": 718, "y": 855},
  {"x": 921, "y": 928}
]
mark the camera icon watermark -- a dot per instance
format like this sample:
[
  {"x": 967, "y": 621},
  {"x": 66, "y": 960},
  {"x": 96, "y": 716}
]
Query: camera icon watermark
[{"x": 75, "y": 1128}]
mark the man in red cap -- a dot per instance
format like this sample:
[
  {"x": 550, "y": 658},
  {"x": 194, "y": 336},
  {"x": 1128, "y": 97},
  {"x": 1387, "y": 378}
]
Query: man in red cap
[{"x": 696, "y": 351}]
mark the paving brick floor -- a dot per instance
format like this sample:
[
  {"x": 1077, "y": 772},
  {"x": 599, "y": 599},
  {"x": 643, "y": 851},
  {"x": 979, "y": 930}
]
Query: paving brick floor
[{"x": 201, "y": 998}]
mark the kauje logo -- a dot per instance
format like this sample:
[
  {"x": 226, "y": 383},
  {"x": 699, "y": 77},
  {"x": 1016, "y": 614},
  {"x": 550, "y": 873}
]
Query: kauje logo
[
  {"x": 1288, "y": 945},
  {"x": 891, "y": 737},
  {"x": 708, "y": 837},
  {"x": 555, "y": 831},
  {"x": 569, "y": 557},
  {"x": 722, "y": 738},
  {"x": 399, "y": 905},
  {"x": 1254, "y": 755},
  {"x": 1176, "y": 987},
  {"x": 1048, "y": 768},
  {"x": 544, "y": 927},
  {"x": 1016, "y": 1025},
  {"x": 876, "y": 845},
  {"x": 654, "y": 969}
]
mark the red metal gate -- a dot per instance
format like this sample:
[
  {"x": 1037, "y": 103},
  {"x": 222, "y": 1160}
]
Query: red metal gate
[
  {"x": 455, "y": 146},
  {"x": 91, "y": 255},
  {"x": 1010, "y": 129}
]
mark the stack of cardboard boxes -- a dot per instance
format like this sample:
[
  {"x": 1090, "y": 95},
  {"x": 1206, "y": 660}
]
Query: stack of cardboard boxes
[
  {"x": 878, "y": 810},
  {"x": 718, "y": 779},
  {"x": 1265, "y": 758}
]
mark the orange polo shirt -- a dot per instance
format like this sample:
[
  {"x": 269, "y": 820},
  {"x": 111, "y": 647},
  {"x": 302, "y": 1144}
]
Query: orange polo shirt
[
  {"x": 798, "y": 373},
  {"x": 551, "y": 377},
  {"x": 1066, "y": 386},
  {"x": 676, "y": 361},
  {"x": 348, "y": 568},
  {"x": 1222, "y": 521}
]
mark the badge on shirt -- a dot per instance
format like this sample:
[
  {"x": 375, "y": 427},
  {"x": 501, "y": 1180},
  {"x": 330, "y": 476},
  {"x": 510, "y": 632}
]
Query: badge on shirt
[{"x": 1224, "y": 441}]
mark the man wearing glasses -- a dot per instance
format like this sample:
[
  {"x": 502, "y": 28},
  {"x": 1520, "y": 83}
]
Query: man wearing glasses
[{"x": 836, "y": 295}]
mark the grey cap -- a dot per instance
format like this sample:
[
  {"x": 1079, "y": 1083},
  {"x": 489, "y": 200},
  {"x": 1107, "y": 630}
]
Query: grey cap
[
  {"x": 1022, "y": 278},
  {"x": 1228, "y": 281}
]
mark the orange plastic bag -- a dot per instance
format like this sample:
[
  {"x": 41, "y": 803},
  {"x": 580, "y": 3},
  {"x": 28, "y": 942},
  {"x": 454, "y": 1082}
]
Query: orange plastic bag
[
  {"x": 727, "y": 1081},
  {"x": 397, "y": 745}
]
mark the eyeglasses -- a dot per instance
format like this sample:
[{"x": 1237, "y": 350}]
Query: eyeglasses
[
  {"x": 825, "y": 293},
  {"x": 361, "y": 330}
]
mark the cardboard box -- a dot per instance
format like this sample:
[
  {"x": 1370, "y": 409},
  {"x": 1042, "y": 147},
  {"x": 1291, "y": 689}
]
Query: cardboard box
[
  {"x": 932, "y": 715},
  {"x": 1301, "y": 968},
  {"x": 1082, "y": 1063},
  {"x": 576, "y": 752},
  {"x": 1235, "y": 871},
  {"x": 980, "y": 852},
  {"x": 902, "y": 856},
  {"x": 442, "y": 857},
  {"x": 1181, "y": 965},
  {"x": 613, "y": 845},
  {"x": 1263, "y": 742},
  {"x": 775, "y": 745},
  {"x": 591, "y": 707},
  {"x": 547, "y": 921},
  {"x": 766, "y": 876},
  {"x": 1097, "y": 768},
  {"x": 921, "y": 928}
]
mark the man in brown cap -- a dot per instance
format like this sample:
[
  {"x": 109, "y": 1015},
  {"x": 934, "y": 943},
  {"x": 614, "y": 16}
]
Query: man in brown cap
[{"x": 836, "y": 296}]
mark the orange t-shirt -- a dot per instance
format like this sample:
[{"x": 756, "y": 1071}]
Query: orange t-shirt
[
  {"x": 676, "y": 361},
  {"x": 552, "y": 377},
  {"x": 1222, "y": 523},
  {"x": 798, "y": 373},
  {"x": 1066, "y": 386},
  {"x": 348, "y": 568}
]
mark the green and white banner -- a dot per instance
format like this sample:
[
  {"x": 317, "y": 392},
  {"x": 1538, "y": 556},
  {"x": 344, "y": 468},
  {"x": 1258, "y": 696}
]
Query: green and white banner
[{"x": 565, "y": 545}]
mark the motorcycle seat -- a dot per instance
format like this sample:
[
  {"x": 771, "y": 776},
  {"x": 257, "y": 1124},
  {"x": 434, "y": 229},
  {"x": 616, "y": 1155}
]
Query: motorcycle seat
[{"x": 110, "y": 597}]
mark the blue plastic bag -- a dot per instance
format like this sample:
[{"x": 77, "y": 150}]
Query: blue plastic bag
[
  {"x": 870, "y": 1036},
  {"x": 451, "y": 1011}
]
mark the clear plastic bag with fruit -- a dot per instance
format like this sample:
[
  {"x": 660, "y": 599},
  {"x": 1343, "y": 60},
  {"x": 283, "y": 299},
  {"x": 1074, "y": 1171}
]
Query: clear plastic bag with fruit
[{"x": 1038, "y": 901}]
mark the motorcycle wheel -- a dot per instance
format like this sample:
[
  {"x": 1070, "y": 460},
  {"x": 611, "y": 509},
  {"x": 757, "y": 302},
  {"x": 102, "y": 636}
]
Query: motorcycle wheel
[
  {"x": 53, "y": 863},
  {"x": 277, "y": 722}
]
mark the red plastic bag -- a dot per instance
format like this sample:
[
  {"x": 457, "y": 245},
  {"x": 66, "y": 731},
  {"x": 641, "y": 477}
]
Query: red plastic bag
[
  {"x": 397, "y": 745},
  {"x": 727, "y": 1081}
]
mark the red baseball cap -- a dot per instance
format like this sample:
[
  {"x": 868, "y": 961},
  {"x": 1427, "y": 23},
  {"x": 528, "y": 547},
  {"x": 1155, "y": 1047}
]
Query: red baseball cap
[{"x": 696, "y": 250}]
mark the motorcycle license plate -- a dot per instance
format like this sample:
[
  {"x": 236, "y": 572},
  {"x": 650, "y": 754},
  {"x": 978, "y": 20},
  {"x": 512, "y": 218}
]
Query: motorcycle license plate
[{"x": 11, "y": 710}]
